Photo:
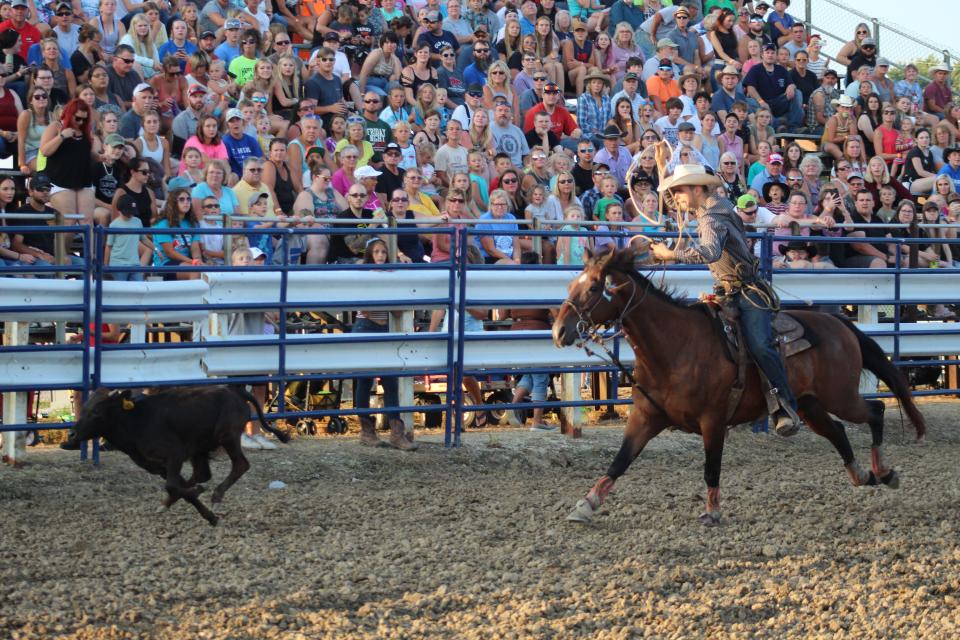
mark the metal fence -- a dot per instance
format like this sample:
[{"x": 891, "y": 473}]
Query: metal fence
[
  {"x": 838, "y": 21},
  {"x": 455, "y": 301}
]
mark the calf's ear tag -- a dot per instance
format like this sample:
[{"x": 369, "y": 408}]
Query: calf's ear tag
[{"x": 128, "y": 404}]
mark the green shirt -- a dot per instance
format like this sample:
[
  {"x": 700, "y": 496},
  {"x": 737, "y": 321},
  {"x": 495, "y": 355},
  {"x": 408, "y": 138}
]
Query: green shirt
[{"x": 242, "y": 68}]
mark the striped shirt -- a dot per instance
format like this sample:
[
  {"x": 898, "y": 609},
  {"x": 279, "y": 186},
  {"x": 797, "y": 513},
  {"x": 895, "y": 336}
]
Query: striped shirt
[{"x": 723, "y": 244}]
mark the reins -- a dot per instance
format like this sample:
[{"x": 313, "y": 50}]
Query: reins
[{"x": 589, "y": 331}]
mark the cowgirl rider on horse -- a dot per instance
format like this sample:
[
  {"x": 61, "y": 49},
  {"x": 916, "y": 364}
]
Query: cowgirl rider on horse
[{"x": 724, "y": 249}]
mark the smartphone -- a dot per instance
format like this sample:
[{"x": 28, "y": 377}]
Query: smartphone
[{"x": 8, "y": 59}]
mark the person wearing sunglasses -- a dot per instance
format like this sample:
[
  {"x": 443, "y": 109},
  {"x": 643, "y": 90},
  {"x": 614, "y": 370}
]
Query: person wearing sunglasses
[
  {"x": 29, "y": 34},
  {"x": 325, "y": 87},
  {"x": 68, "y": 147},
  {"x": 561, "y": 122},
  {"x": 123, "y": 79},
  {"x": 348, "y": 248},
  {"x": 436, "y": 36}
]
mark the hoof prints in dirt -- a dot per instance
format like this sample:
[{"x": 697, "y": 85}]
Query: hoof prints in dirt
[{"x": 473, "y": 543}]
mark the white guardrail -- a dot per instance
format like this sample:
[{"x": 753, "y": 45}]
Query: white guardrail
[{"x": 22, "y": 302}]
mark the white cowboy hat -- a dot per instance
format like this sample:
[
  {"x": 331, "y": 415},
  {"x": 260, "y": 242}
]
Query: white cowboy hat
[
  {"x": 689, "y": 175},
  {"x": 843, "y": 101}
]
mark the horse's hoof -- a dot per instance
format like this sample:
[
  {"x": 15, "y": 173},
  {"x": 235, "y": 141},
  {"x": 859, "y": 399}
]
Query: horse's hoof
[
  {"x": 892, "y": 480},
  {"x": 582, "y": 513},
  {"x": 709, "y": 518}
]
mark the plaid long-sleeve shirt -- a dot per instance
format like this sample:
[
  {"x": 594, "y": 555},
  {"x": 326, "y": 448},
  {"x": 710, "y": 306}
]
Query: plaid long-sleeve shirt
[
  {"x": 592, "y": 117},
  {"x": 723, "y": 244}
]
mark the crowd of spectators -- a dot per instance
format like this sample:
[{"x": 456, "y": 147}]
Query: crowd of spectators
[
  {"x": 174, "y": 114},
  {"x": 276, "y": 114}
]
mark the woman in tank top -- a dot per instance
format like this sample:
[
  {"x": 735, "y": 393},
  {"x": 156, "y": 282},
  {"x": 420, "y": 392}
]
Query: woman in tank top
[
  {"x": 68, "y": 148},
  {"x": 150, "y": 144},
  {"x": 109, "y": 24},
  {"x": 276, "y": 176},
  {"x": 325, "y": 202},
  {"x": 418, "y": 73},
  {"x": 576, "y": 58}
]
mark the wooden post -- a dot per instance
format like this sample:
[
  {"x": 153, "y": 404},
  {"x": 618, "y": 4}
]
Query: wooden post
[
  {"x": 868, "y": 314},
  {"x": 570, "y": 416},
  {"x": 15, "y": 403}
]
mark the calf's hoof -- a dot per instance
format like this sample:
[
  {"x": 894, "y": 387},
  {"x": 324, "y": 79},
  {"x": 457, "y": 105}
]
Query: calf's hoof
[
  {"x": 709, "y": 518},
  {"x": 582, "y": 513},
  {"x": 212, "y": 519}
]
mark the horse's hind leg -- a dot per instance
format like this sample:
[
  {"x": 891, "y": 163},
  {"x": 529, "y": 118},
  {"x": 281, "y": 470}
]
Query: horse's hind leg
[
  {"x": 822, "y": 424},
  {"x": 640, "y": 430},
  {"x": 878, "y": 461}
]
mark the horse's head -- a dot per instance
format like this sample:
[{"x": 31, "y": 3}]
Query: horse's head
[{"x": 595, "y": 298}]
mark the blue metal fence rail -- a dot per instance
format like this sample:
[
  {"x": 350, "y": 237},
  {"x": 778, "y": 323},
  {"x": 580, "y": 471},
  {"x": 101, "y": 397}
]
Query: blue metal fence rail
[{"x": 93, "y": 273}]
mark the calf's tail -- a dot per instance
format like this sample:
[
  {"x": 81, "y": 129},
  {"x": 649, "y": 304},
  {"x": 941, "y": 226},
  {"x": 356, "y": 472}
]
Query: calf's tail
[
  {"x": 249, "y": 397},
  {"x": 876, "y": 362}
]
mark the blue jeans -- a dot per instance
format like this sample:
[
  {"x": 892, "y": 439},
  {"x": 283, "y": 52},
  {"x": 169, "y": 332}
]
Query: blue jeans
[
  {"x": 786, "y": 111},
  {"x": 127, "y": 276},
  {"x": 362, "y": 387},
  {"x": 755, "y": 322}
]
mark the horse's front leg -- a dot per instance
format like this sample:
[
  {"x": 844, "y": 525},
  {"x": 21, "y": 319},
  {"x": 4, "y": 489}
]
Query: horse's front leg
[
  {"x": 713, "y": 437},
  {"x": 641, "y": 428}
]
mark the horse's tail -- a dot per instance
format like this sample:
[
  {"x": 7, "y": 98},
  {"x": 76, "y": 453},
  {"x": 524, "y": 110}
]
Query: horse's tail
[{"x": 876, "y": 362}]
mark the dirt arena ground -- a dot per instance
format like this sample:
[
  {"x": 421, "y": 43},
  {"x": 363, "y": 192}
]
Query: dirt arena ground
[{"x": 472, "y": 543}]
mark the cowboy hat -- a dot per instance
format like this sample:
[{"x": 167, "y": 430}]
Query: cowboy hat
[
  {"x": 690, "y": 175},
  {"x": 686, "y": 77},
  {"x": 728, "y": 70},
  {"x": 798, "y": 245},
  {"x": 770, "y": 185},
  {"x": 596, "y": 75},
  {"x": 843, "y": 101},
  {"x": 611, "y": 132}
]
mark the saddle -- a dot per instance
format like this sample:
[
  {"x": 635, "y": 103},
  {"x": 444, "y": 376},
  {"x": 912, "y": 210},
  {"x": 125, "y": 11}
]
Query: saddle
[{"x": 788, "y": 333}]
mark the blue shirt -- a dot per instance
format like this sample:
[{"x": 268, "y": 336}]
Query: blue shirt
[
  {"x": 592, "y": 117},
  {"x": 471, "y": 74},
  {"x": 723, "y": 102},
  {"x": 227, "y": 53},
  {"x": 954, "y": 174},
  {"x": 240, "y": 149},
  {"x": 181, "y": 243},
  {"x": 771, "y": 85},
  {"x": 169, "y": 48},
  {"x": 229, "y": 204},
  {"x": 774, "y": 18},
  {"x": 504, "y": 244},
  {"x": 763, "y": 178},
  {"x": 35, "y": 56}
]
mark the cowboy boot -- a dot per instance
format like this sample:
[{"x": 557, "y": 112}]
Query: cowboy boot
[
  {"x": 398, "y": 436},
  {"x": 368, "y": 432}
]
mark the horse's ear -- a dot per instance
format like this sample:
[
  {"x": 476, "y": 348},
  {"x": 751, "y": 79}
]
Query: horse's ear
[
  {"x": 626, "y": 256},
  {"x": 588, "y": 253}
]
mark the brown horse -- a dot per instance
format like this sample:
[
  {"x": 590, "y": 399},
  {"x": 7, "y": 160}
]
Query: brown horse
[{"x": 683, "y": 375}]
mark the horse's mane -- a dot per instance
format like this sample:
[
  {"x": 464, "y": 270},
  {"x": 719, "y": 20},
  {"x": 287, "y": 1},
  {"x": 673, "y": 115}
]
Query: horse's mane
[{"x": 622, "y": 262}]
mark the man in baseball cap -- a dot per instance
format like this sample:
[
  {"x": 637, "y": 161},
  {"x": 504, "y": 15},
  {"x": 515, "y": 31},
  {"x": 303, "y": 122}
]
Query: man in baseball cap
[
  {"x": 230, "y": 47},
  {"x": 436, "y": 36},
  {"x": 772, "y": 173},
  {"x": 185, "y": 123},
  {"x": 666, "y": 50},
  {"x": 240, "y": 145}
]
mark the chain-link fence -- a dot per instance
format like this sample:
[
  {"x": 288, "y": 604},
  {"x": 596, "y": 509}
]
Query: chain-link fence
[{"x": 837, "y": 23}]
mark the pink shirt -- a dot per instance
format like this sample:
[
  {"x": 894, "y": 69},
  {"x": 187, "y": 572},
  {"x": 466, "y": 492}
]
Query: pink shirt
[
  {"x": 215, "y": 151},
  {"x": 340, "y": 182}
]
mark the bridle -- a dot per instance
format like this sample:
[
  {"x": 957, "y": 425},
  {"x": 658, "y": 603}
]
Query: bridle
[{"x": 590, "y": 331}]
